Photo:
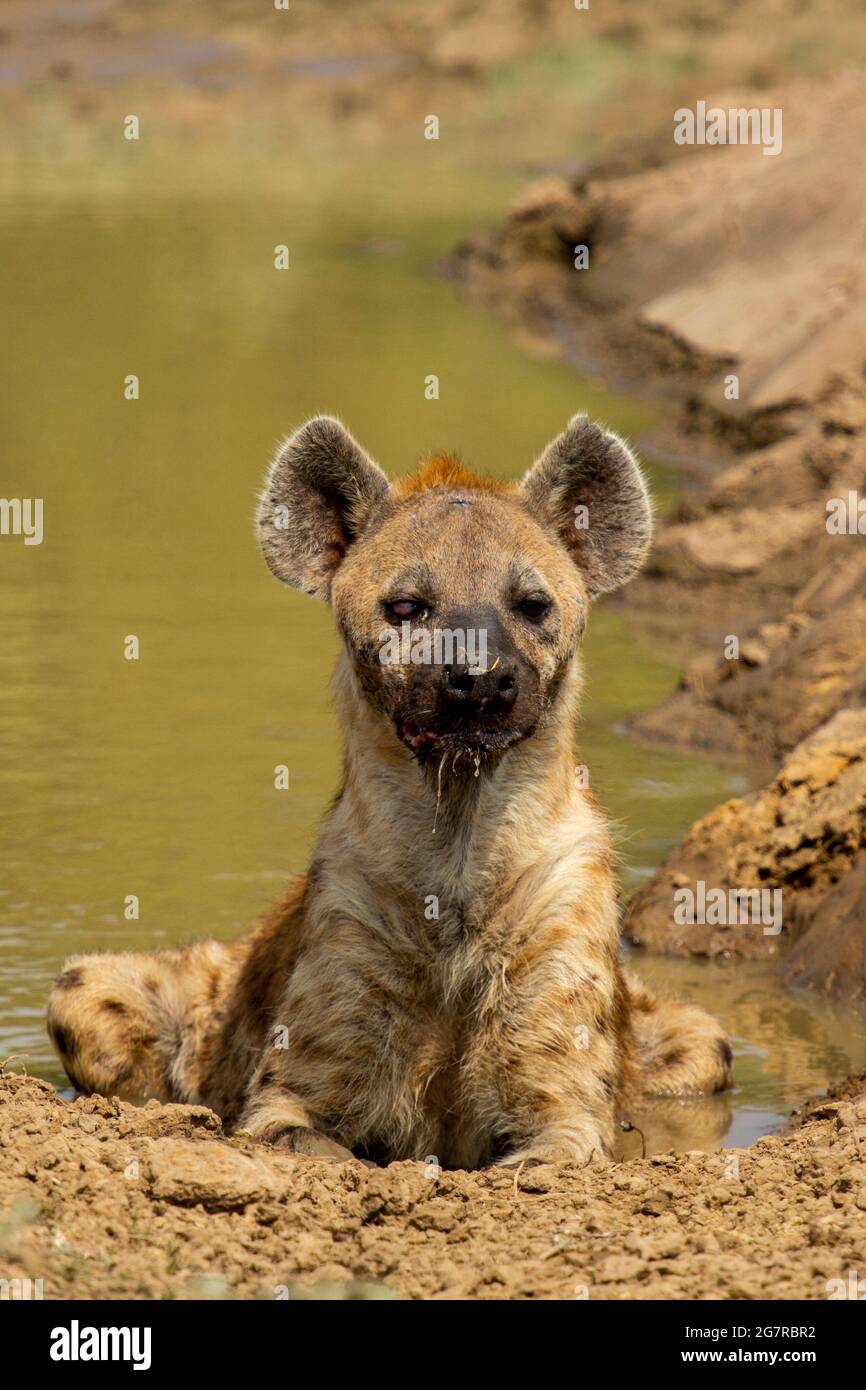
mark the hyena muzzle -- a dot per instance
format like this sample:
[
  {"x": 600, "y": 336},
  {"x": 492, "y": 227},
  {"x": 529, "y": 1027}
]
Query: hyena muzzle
[{"x": 445, "y": 979}]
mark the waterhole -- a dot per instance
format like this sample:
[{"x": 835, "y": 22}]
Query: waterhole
[{"x": 154, "y": 777}]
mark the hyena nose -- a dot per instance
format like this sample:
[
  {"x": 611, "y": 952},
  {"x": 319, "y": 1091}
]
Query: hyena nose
[{"x": 474, "y": 690}]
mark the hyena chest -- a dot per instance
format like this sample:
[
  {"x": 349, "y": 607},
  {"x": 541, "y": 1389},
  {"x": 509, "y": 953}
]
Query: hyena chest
[
  {"x": 394, "y": 1072},
  {"x": 428, "y": 1099}
]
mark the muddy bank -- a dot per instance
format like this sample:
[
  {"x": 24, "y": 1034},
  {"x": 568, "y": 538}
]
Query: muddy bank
[
  {"x": 752, "y": 558},
  {"x": 776, "y": 604},
  {"x": 800, "y": 842},
  {"x": 101, "y": 1200},
  {"x": 727, "y": 282},
  {"x": 721, "y": 261}
]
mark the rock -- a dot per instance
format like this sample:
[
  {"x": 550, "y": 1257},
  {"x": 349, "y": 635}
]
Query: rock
[
  {"x": 434, "y": 1216},
  {"x": 738, "y": 543},
  {"x": 665, "y": 1245},
  {"x": 831, "y": 955},
  {"x": 752, "y": 558},
  {"x": 548, "y": 216},
  {"x": 804, "y": 835},
  {"x": 159, "y": 1120},
  {"x": 212, "y": 1175},
  {"x": 537, "y": 1177},
  {"x": 616, "y": 1269}
]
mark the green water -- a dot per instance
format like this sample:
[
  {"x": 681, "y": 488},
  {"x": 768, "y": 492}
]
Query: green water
[{"x": 155, "y": 777}]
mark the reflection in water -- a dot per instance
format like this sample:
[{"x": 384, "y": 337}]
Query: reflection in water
[
  {"x": 786, "y": 1047},
  {"x": 155, "y": 777},
  {"x": 668, "y": 1122}
]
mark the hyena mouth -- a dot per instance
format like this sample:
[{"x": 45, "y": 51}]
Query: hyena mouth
[{"x": 462, "y": 744}]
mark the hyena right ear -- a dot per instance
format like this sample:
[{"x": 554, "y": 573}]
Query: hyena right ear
[
  {"x": 321, "y": 491},
  {"x": 589, "y": 488}
]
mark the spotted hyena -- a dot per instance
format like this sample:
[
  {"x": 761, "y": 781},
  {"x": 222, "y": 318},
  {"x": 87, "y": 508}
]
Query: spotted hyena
[{"x": 445, "y": 977}]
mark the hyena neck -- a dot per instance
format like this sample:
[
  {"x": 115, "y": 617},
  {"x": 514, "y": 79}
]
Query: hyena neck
[{"x": 444, "y": 829}]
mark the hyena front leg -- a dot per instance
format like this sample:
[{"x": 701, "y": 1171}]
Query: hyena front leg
[
  {"x": 566, "y": 1132},
  {"x": 563, "y": 1086},
  {"x": 277, "y": 1116},
  {"x": 565, "y": 1138}
]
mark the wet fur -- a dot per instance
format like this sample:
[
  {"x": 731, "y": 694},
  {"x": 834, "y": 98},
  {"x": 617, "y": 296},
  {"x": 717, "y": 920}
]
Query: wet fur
[{"x": 503, "y": 1027}]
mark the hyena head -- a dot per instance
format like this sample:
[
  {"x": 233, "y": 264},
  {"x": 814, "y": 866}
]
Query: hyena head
[{"x": 461, "y": 600}]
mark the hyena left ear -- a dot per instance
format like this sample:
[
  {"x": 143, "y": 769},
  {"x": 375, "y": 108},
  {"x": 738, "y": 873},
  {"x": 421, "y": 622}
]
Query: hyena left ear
[
  {"x": 322, "y": 490},
  {"x": 588, "y": 487}
]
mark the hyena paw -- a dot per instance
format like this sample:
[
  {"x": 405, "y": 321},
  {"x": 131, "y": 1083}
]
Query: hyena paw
[
  {"x": 583, "y": 1155},
  {"x": 299, "y": 1139}
]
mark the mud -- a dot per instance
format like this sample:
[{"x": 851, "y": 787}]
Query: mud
[
  {"x": 102, "y": 1200},
  {"x": 800, "y": 838},
  {"x": 752, "y": 557},
  {"x": 684, "y": 272},
  {"x": 695, "y": 283}
]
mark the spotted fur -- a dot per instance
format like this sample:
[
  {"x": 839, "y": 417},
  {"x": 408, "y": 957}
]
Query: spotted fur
[{"x": 445, "y": 979}]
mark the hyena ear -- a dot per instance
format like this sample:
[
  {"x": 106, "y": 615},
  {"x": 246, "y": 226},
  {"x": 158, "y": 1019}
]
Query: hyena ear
[
  {"x": 321, "y": 491},
  {"x": 588, "y": 487}
]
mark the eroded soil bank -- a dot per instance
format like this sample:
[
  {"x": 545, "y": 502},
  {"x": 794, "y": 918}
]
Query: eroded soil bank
[
  {"x": 721, "y": 279},
  {"x": 103, "y": 1200}
]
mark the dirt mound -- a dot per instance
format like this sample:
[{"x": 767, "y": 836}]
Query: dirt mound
[
  {"x": 804, "y": 835},
  {"x": 101, "y": 1200},
  {"x": 722, "y": 241},
  {"x": 764, "y": 569},
  {"x": 699, "y": 264},
  {"x": 752, "y": 561},
  {"x": 752, "y": 557},
  {"x": 831, "y": 956}
]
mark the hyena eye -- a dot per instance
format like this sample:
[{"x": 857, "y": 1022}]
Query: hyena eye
[
  {"x": 535, "y": 607},
  {"x": 403, "y": 608}
]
